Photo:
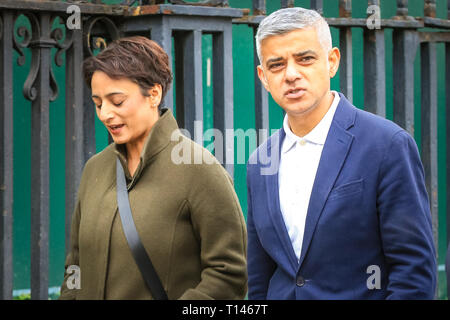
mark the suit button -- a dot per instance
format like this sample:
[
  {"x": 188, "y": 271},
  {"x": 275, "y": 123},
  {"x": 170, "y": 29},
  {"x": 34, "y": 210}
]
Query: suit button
[{"x": 300, "y": 281}]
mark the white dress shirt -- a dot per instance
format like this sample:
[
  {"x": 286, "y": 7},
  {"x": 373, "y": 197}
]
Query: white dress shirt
[{"x": 298, "y": 166}]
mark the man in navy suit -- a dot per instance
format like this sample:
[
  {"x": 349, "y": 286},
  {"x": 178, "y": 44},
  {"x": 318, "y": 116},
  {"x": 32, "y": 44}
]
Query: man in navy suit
[{"x": 337, "y": 205}]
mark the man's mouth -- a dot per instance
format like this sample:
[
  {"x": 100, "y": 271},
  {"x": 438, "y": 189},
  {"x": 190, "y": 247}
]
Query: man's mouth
[{"x": 295, "y": 93}]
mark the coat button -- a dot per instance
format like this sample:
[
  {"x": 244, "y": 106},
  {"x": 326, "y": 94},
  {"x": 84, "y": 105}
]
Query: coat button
[{"x": 300, "y": 281}]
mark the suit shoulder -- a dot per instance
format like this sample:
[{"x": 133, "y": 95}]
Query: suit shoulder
[{"x": 377, "y": 127}]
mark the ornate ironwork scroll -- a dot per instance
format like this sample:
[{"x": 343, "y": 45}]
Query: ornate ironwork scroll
[{"x": 97, "y": 39}]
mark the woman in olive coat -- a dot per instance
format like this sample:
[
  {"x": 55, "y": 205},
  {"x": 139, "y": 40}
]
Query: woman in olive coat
[{"x": 187, "y": 214}]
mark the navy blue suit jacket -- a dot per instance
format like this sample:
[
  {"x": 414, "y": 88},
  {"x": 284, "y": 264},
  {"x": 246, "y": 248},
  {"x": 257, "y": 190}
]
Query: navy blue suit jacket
[{"x": 368, "y": 209}]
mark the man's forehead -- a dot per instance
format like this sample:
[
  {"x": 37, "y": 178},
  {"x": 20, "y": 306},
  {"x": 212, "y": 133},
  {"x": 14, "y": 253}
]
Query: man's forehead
[
  {"x": 292, "y": 43},
  {"x": 300, "y": 35}
]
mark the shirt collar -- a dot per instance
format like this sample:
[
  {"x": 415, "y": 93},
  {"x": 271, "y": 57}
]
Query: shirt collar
[{"x": 318, "y": 134}]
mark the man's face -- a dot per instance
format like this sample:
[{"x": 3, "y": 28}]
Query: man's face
[{"x": 296, "y": 70}]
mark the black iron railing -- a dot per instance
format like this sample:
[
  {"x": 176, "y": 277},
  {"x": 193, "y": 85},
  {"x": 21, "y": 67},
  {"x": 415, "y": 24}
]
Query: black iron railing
[{"x": 185, "y": 23}]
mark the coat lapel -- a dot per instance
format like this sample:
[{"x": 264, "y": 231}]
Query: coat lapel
[
  {"x": 333, "y": 156},
  {"x": 274, "y": 200}
]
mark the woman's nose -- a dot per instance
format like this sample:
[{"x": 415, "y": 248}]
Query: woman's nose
[{"x": 106, "y": 112}]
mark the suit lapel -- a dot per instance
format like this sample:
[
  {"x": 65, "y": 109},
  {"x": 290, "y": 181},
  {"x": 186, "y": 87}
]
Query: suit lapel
[
  {"x": 274, "y": 199},
  {"x": 333, "y": 156}
]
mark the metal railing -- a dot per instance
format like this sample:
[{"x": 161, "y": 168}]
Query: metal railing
[{"x": 185, "y": 23}]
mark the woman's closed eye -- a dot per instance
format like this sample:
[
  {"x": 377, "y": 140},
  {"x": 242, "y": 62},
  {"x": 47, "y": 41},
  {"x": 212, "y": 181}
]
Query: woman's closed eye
[{"x": 116, "y": 104}]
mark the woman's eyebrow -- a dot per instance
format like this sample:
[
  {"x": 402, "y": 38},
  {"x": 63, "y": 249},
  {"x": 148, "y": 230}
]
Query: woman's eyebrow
[{"x": 108, "y": 95}]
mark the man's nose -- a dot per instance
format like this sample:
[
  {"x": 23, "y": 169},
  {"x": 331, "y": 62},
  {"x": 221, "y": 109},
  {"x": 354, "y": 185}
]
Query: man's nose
[{"x": 292, "y": 72}]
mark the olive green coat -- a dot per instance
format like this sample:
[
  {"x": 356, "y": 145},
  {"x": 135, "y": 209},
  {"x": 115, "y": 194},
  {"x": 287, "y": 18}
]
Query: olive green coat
[{"x": 187, "y": 216}]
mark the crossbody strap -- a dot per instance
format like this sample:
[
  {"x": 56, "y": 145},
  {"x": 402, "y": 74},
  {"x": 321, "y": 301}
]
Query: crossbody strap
[{"x": 134, "y": 242}]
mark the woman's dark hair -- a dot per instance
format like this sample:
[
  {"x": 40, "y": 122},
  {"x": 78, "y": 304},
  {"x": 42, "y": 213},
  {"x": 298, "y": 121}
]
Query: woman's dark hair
[{"x": 137, "y": 58}]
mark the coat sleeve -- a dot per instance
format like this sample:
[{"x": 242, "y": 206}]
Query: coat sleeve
[
  {"x": 405, "y": 222},
  {"x": 72, "y": 258},
  {"x": 219, "y": 224},
  {"x": 260, "y": 265}
]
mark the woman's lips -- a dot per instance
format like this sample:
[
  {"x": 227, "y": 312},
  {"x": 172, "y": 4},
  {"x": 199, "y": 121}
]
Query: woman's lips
[
  {"x": 115, "y": 129},
  {"x": 295, "y": 93}
]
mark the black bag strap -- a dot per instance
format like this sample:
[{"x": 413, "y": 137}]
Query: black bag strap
[{"x": 134, "y": 242}]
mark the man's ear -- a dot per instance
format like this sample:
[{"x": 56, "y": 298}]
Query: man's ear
[
  {"x": 262, "y": 77},
  {"x": 334, "y": 58}
]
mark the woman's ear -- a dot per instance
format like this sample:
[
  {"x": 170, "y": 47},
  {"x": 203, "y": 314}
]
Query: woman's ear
[{"x": 155, "y": 95}]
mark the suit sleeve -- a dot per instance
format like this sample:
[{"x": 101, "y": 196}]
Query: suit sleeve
[
  {"x": 405, "y": 222},
  {"x": 260, "y": 265}
]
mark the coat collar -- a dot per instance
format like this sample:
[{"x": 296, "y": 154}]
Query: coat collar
[{"x": 158, "y": 138}]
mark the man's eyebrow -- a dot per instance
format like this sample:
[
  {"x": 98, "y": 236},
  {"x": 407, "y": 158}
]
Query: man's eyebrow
[
  {"x": 273, "y": 60},
  {"x": 304, "y": 53},
  {"x": 108, "y": 95},
  {"x": 298, "y": 54}
]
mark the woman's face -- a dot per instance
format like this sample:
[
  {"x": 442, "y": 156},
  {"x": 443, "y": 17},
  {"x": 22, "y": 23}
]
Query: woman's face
[{"x": 124, "y": 110}]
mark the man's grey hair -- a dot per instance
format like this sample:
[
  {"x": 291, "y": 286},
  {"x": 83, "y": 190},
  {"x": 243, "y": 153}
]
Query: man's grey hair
[{"x": 290, "y": 19}]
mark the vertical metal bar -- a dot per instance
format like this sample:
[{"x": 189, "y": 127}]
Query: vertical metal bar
[
  {"x": 429, "y": 128},
  {"x": 345, "y": 45},
  {"x": 345, "y": 8},
  {"x": 430, "y": 8},
  {"x": 88, "y": 124},
  {"x": 402, "y": 8},
  {"x": 374, "y": 72},
  {"x": 317, "y": 5},
  {"x": 287, "y": 3},
  {"x": 162, "y": 34},
  {"x": 405, "y": 47},
  {"x": 6, "y": 155},
  {"x": 374, "y": 69},
  {"x": 178, "y": 44},
  {"x": 261, "y": 100},
  {"x": 447, "y": 93},
  {"x": 223, "y": 94},
  {"x": 40, "y": 136},
  {"x": 190, "y": 104},
  {"x": 447, "y": 183},
  {"x": 447, "y": 270},
  {"x": 259, "y": 7},
  {"x": 74, "y": 131}
]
